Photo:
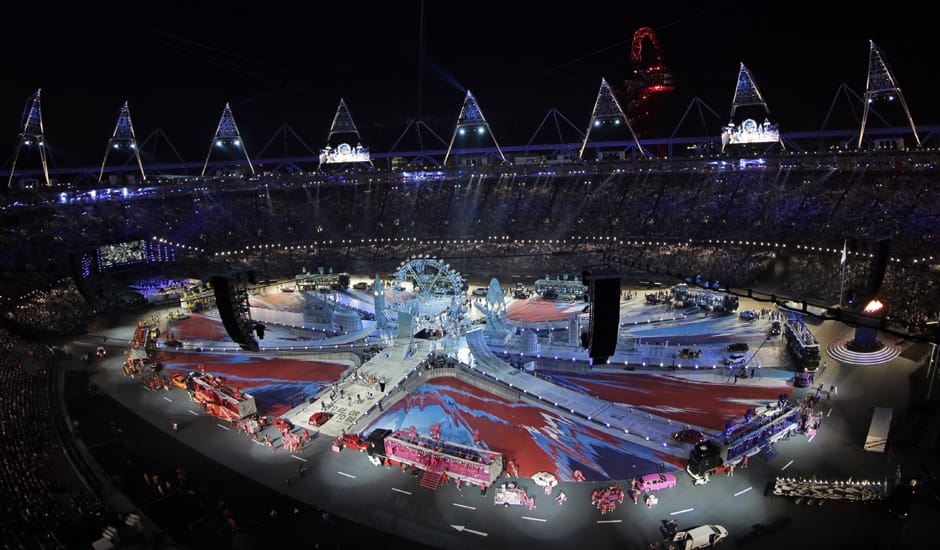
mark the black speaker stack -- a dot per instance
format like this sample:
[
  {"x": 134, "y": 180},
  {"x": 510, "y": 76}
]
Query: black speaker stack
[
  {"x": 233, "y": 309},
  {"x": 604, "y": 326}
]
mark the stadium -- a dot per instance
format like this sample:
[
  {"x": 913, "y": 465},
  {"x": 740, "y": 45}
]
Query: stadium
[{"x": 294, "y": 279}]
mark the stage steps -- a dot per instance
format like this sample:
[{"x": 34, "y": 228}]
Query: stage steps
[{"x": 431, "y": 480}]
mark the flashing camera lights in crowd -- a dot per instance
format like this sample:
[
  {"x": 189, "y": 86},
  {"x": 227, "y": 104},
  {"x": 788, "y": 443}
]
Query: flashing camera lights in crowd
[{"x": 874, "y": 306}]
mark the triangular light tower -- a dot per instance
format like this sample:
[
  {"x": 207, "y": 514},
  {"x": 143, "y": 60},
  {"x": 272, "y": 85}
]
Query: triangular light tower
[
  {"x": 343, "y": 152},
  {"x": 123, "y": 138},
  {"x": 226, "y": 136},
  {"x": 607, "y": 110},
  {"x": 471, "y": 121},
  {"x": 882, "y": 84},
  {"x": 32, "y": 136},
  {"x": 748, "y": 130}
]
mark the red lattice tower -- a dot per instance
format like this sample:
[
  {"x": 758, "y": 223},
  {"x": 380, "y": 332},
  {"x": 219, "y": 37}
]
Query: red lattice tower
[
  {"x": 655, "y": 75},
  {"x": 651, "y": 79}
]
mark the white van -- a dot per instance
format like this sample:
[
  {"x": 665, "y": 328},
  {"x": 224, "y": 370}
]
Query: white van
[
  {"x": 704, "y": 536},
  {"x": 736, "y": 360}
]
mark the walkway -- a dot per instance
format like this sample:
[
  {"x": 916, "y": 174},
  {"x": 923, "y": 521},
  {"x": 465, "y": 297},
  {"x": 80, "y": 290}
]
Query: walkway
[
  {"x": 632, "y": 425},
  {"x": 396, "y": 362}
]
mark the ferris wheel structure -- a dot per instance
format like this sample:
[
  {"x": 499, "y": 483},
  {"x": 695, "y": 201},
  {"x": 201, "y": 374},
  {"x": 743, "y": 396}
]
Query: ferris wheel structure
[{"x": 429, "y": 290}]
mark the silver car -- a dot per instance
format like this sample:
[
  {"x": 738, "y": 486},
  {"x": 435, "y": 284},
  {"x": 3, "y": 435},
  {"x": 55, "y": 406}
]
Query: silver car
[{"x": 703, "y": 536}]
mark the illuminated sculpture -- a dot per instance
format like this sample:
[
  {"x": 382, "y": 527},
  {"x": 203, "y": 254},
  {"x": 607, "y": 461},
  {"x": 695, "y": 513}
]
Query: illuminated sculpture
[
  {"x": 497, "y": 329},
  {"x": 651, "y": 81}
]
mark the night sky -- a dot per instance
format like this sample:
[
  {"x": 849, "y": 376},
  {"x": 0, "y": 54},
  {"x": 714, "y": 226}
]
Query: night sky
[{"x": 177, "y": 65}]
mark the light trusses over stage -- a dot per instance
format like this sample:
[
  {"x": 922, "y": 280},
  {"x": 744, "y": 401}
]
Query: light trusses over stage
[
  {"x": 562, "y": 136},
  {"x": 32, "y": 136},
  {"x": 342, "y": 152},
  {"x": 123, "y": 138},
  {"x": 748, "y": 130},
  {"x": 227, "y": 135},
  {"x": 607, "y": 110},
  {"x": 471, "y": 120},
  {"x": 154, "y": 144},
  {"x": 881, "y": 84},
  {"x": 420, "y": 155}
]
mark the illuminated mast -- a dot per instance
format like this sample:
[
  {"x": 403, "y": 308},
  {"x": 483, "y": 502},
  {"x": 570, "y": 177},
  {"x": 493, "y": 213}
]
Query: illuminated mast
[
  {"x": 749, "y": 131},
  {"x": 607, "y": 109},
  {"x": 471, "y": 117},
  {"x": 123, "y": 136},
  {"x": 32, "y": 135},
  {"x": 343, "y": 152},
  {"x": 227, "y": 134},
  {"x": 881, "y": 83},
  {"x": 746, "y": 92}
]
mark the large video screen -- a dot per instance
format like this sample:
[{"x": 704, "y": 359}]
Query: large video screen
[
  {"x": 750, "y": 131},
  {"x": 344, "y": 153},
  {"x": 121, "y": 254}
]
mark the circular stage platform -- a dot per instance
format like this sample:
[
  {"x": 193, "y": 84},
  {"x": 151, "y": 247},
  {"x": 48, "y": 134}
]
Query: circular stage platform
[{"x": 840, "y": 351}]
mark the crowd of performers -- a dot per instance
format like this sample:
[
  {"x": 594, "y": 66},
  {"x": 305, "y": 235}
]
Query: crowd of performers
[
  {"x": 810, "y": 415},
  {"x": 254, "y": 426},
  {"x": 512, "y": 492},
  {"x": 606, "y": 499}
]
